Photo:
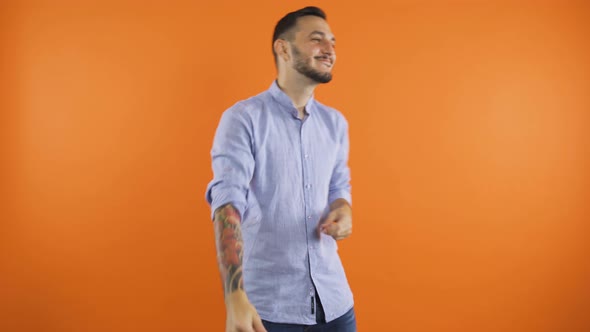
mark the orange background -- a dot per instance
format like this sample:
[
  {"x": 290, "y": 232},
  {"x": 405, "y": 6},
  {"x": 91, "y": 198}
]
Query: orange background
[{"x": 470, "y": 158}]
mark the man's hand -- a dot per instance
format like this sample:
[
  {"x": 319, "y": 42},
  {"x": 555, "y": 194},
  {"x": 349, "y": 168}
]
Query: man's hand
[
  {"x": 241, "y": 314},
  {"x": 338, "y": 223}
]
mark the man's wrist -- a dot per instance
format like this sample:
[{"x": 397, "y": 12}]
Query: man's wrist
[
  {"x": 236, "y": 296},
  {"x": 340, "y": 203}
]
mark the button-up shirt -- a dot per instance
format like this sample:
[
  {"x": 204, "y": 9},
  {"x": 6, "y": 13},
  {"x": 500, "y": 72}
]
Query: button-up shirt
[{"x": 281, "y": 173}]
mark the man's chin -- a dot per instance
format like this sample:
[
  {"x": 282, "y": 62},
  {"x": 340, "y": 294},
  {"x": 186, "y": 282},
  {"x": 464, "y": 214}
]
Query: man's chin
[
  {"x": 315, "y": 75},
  {"x": 321, "y": 78},
  {"x": 325, "y": 79}
]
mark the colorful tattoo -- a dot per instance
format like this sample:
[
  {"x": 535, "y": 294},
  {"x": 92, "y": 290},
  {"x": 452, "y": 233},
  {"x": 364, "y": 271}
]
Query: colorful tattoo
[{"x": 229, "y": 242}]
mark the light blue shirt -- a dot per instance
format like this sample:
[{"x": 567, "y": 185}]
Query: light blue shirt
[{"x": 281, "y": 173}]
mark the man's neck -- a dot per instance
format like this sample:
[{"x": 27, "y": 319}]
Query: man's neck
[{"x": 299, "y": 92}]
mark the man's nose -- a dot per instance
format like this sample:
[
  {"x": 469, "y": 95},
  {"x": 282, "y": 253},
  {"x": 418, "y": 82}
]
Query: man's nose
[{"x": 328, "y": 48}]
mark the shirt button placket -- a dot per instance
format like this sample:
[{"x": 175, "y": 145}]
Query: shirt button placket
[{"x": 306, "y": 168}]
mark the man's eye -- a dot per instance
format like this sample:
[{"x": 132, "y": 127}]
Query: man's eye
[{"x": 316, "y": 39}]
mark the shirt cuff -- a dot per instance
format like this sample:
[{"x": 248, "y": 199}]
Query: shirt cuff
[
  {"x": 345, "y": 194},
  {"x": 219, "y": 198}
]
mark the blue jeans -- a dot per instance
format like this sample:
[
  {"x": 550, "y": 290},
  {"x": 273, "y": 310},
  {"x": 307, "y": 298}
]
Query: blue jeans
[{"x": 344, "y": 323}]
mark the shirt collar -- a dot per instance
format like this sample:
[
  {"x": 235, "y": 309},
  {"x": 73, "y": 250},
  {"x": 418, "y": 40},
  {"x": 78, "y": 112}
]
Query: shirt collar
[{"x": 285, "y": 101}]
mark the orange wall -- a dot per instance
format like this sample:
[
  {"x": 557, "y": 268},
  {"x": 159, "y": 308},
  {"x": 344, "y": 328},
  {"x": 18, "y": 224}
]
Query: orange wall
[{"x": 470, "y": 157}]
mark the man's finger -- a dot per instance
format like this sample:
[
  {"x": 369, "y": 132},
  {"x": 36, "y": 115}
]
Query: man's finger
[
  {"x": 257, "y": 325},
  {"x": 331, "y": 229},
  {"x": 329, "y": 219}
]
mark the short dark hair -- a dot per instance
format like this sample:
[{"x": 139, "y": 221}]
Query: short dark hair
[{"x": 286, "y": 24}]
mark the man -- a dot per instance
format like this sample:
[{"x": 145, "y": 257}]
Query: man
[{"x": 280, "y": 196}]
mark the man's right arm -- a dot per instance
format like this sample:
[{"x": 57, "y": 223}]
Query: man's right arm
[
  {"x": 233, "y": 167},
  {"x": 241, "y": 315},
  {"x": 229, "y": 243}
]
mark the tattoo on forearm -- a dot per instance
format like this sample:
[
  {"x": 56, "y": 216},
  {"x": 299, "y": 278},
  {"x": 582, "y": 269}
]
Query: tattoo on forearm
[{"x": 228, "y": 238}]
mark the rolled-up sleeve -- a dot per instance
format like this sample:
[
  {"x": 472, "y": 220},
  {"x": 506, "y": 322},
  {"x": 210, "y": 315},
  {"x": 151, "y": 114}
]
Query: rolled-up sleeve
[
  {"x": 232, "y": 162},
  {"x": 340, "y": 181}
]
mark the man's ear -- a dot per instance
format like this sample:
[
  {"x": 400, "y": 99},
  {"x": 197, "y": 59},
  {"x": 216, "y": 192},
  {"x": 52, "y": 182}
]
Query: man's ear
[{"x": 281, "y": 47}]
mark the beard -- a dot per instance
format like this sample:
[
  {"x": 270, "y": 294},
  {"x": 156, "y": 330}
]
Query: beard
[{"x": 306, "y": 70}]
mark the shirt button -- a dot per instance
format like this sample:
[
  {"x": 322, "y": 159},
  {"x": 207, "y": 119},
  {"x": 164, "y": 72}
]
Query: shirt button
[
  {"x": 308, "y": 186},
  {"x": 308, "y": 217},
  {"x": 306, "y": 156}
]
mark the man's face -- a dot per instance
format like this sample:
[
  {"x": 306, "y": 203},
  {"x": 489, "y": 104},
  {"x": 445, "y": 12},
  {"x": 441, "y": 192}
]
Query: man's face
[{"x": 313, "y": 50}]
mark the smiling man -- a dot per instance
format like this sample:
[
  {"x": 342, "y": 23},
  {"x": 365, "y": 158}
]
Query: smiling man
[{"x": 280, "y": 195}]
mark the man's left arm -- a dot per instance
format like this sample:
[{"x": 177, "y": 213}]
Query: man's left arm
[{"x": 338, "y": 222}]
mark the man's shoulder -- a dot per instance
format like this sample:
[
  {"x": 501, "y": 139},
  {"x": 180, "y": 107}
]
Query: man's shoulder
[
  {"x": 250, "y": 105},
  {"x": 330, "y": 112}
]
